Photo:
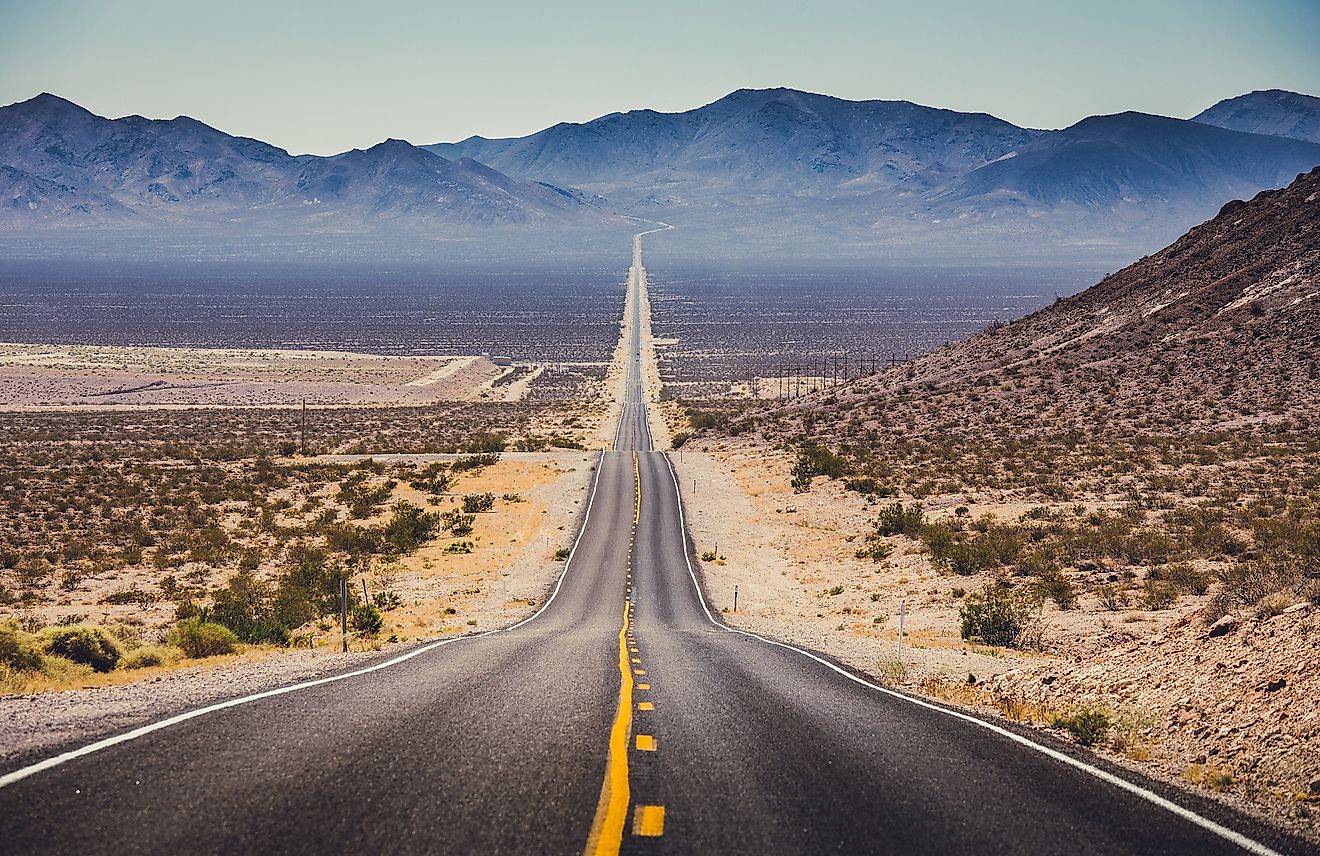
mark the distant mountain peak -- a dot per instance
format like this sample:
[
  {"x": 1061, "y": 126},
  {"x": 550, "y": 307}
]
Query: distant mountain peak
[{"x": 1276, "y": 112}]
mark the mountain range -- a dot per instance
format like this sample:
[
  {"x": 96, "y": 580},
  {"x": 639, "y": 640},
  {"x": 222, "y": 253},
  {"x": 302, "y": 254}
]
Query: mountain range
[
  {"x": 62, "y": 166},
  {"x": 758, "y": 173}
]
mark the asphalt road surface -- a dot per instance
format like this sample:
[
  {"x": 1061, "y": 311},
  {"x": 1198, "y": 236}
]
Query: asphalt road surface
[{"x": 621, "y": 718}]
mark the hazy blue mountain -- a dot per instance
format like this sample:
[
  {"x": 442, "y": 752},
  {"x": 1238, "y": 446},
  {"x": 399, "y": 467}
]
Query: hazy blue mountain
[
  {"x": 1130, "y": 171},
  {"x": 1276, "y": 112},
  {"x": 778, "y": 168},
  {"x": 752, "y": 143},
  {"x": 61, "y": 165}
]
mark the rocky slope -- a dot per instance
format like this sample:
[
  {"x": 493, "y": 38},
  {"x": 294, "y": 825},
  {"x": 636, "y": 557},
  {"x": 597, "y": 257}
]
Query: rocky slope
[{"x": 1221, "y": 328}]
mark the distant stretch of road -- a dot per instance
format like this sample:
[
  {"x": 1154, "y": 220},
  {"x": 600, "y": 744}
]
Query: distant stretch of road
[{"x": 623, "y": 717}]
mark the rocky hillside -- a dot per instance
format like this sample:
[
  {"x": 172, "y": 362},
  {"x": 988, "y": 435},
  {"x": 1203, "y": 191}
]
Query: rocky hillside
[{"x": 1220, "y": 329}]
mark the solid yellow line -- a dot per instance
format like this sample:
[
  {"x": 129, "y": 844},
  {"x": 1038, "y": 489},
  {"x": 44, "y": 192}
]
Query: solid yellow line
[
  {"x": 649, "y": 820},
  {"x": 612, "y": 809}
]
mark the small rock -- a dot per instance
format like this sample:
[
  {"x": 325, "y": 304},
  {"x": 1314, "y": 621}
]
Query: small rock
[
  {"x": 1297, "y": 607},
  {"x": 1223, "y": 626},
  {"x": 1048, "y": 679},
  {"x": 1314, "y": 787},
  {"x": 1275, "y": 685}
]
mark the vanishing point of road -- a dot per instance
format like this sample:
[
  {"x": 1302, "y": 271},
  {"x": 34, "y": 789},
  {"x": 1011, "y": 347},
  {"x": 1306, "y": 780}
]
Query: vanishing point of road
[{"x": 622, "y": 717}]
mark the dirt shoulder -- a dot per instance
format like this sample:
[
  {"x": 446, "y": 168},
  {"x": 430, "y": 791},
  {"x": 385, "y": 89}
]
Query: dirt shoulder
[{"x": 1236, "y": 714}]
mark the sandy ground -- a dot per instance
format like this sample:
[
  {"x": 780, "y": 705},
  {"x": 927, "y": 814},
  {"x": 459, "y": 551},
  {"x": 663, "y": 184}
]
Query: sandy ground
[
  {"x": 1188, "y": 708},
  {"x": 44, "y": 376},
  {"x": 512, "y": 565}
]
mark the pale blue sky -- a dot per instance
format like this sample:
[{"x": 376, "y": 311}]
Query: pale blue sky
[{"x": 326, "y": 76}]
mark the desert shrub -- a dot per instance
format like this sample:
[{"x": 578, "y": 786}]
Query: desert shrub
[
  {"x": 562, "y": 554},
  {"x": 1247, "y": 583},
  {"x": 90, "y": 646},
  {"x": 1184, "y": 577},
  {"x": 487, "y": 443},
  {"x": 197, "y": 638},
  {"x": 433, "y": 479},
  {"x": 410, "y": 527},
  {"x": 1088, "y": 726},
  {"x": 995, "y": 615},
  {"x": 1056, "y": 587},
  {"x": 148, "y": 656},
  {"x": 347, "y": 538},
  {"x": 869, "y": 486},
  {"x": 387, "y": 600},
  {"x": 457, "y": 523},
  {"x": 366, "y": 619},
  {"x": 562, "y": 441},
  {"x": 814, "y": 460},
  {"x": 676, "y": 442},
  {"x": 1158, "y": 594},
  {"x": 476, "y": 503},
  {"x": 475, "y": 462},
  {"x": 875, "y": 550},
  {"x": 459, "y": 547},
  {"x": 246, "y": 605},
  {"x": 1112, "y": 597},
  {"x": 897, "y": 519},
  {"x": 18, "y": 651}
]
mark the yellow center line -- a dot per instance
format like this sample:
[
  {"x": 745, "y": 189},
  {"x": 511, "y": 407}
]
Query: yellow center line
[
  {"x": 645, "y": 705},
  {"x": 612, "y": 809},
  {"x": 606, "y": 836}
]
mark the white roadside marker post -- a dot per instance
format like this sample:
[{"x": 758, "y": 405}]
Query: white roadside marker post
[
  {"x": 902, "y": 614},
  {"x": 343, "y": 611},
  {"x": 735, "y": 598}
]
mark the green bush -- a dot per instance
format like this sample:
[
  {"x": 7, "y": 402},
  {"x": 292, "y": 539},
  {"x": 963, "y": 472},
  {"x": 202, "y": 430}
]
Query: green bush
[
  {"x": 81, "y": 643},
  {"x": 996, "y": 615},
  {"x": 875, "y": 550},
  {"x": 815, "y": 460},
  {"x": 475, "y": 462},
  {"x": 676, "y": 442},
  {"x": 197, "y": 638},
  {"x": 147, "y": 656},
  {"x": 869, "y": 486},
  {"x": 366, "y": 619},
  {"x": 476, "y": 503},
  {"x": 410, "y": 527},
  {"x": 1054, "y": 585},
  {"x": 898, "y": 520},
  {"x": 1088, "y": 726},
  {"x": 247, "y": 606},
  {"x": 18, "y": 651},
  {"x": 562, "y": 553},
  {"x": 387, "y": 600}
]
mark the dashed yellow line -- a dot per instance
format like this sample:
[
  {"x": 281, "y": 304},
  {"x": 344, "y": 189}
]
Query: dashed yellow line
[
  {"x": 645, "y": 705},
  {"x": 645, "y": 743},
  {"x": 649, "y": 820}
]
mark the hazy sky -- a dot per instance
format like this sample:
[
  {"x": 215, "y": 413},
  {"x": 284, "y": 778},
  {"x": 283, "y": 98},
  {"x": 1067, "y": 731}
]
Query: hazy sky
[{"x": 327, "y": 76}]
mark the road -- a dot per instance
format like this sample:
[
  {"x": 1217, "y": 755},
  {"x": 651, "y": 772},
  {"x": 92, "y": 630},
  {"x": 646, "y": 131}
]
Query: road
[{"x": 621, "y": 718}]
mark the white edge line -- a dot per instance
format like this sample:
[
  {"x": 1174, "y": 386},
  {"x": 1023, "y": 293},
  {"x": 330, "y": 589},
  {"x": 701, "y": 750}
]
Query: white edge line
[
  {"x": 1248, "y": 844},
  {"x": 142, "y": 731}
]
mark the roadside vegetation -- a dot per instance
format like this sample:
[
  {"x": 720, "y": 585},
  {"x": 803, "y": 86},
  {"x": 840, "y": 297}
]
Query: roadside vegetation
[{"x": 143, "y": 539}]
